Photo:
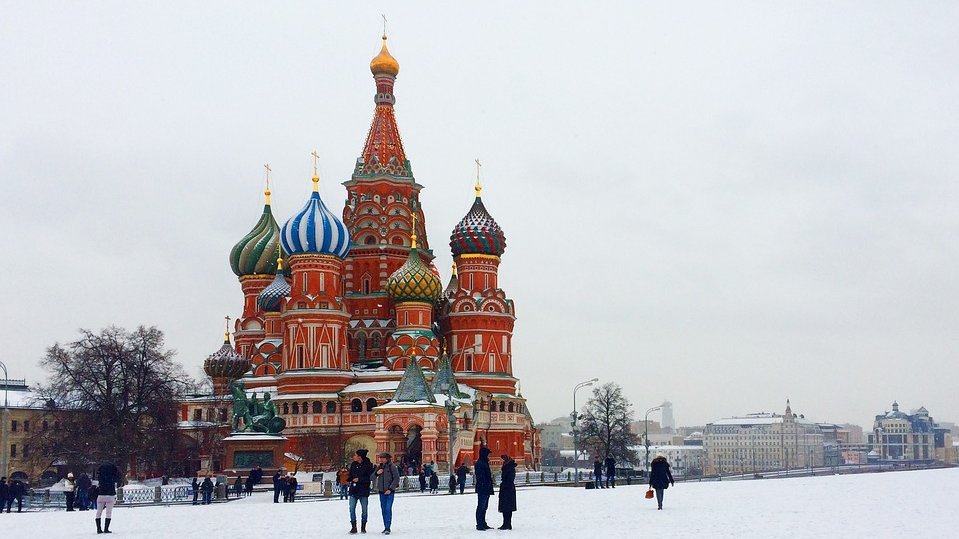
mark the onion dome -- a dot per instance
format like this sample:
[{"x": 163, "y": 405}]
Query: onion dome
[
  {"x": 384, "y": 63},
  {"x": 477, "y": 233},
  {"x": 453, "y": 286},
  {"x": 225, "y": 362},
  {"x": 270, "y": 299},
  {"x": 315, "y": 229},
  {"x": 414, "y": 281},
  {"x": 256, "y": 253}
]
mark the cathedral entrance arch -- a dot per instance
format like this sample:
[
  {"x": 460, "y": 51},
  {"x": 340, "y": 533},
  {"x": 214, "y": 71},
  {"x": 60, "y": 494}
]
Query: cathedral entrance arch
[{"x": 361, "y": 441}]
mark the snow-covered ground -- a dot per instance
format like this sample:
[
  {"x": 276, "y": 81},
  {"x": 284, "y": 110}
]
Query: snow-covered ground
[{"x": 891, "y": 504}]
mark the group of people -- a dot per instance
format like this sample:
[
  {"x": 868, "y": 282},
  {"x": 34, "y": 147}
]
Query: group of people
[
  {"x": 610, "y": 466},
  {"x": 204, "y": 489},
  {"x": 284, "y": 483},
  {"x": 80, "y": 493},
  {"x": 11, "y": 490}
]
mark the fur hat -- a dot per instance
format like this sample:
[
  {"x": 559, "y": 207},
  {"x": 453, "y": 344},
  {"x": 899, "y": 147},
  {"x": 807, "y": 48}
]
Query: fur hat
[
  {"x": 385, "y": 455},
  {"x": 362, "y": 452}
]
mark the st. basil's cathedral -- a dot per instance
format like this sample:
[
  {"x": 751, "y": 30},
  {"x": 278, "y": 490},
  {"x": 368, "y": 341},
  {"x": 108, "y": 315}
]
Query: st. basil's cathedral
[{"x": 347, "y": 328}]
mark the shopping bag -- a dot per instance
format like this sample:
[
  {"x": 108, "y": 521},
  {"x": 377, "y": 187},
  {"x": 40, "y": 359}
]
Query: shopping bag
[{"x": 649, "y": 494}]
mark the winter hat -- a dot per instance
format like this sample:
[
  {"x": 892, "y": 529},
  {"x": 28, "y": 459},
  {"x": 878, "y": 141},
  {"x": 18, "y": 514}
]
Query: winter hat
[
  {"x": 386, "y": 455},
  {"x": 504, "y": 456},
  {"x": 362, "y": 452},
  {"x": 70, "y": 475}
]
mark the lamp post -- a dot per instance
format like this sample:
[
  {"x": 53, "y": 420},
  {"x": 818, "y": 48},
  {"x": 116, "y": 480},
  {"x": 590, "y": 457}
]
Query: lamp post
[
  {"x": 450, "y": 419},
  {"x": 575, "y": 416},
  {"x": 646, "y": 436}
]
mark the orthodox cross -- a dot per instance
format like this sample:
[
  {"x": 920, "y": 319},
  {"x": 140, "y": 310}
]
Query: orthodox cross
[
  {"x": 268, "y": 170},
  {"x": 227, "y": 334},
  {"x": 384, "y": 24},
  {"x": 316, "y": 159},
  {"x": 479, "y": 187}
]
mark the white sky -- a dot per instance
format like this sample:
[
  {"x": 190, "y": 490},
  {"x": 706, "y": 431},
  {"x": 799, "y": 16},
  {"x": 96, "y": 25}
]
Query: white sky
[{"x": 723, "y": 205}]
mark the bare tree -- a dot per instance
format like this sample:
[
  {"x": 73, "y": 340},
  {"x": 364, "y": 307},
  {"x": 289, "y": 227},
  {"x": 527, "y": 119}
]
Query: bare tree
[
  {"x": 606, "y": 423},
  {"x": 321, "y": 449},
  {"x": 115, "y": 396}
]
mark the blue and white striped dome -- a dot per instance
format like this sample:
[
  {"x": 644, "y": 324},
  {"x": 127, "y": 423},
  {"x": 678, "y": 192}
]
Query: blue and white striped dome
[{"x": 315, "y": 230}]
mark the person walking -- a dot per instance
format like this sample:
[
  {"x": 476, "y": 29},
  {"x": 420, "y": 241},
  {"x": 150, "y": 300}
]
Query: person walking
[
  {"x": 4, "y": 489},
  {"x": 109, "y": 476},
  {"x": 15, "y": 491},
  {"x": 434, "y": 483},
  {"x": 291, "y": 487},
  {"x": 285, "y": 487},
  {"x": 70, "y": 490},
  {"x": 484, "y": 487},
  {"x": 461, "y": 473},
  {"x": 93, "y": 494},
  {"x": 507, "y": 492},
  {"x": 276, "y": 486},
  {"x": 660, "y": 478},
  {"x": 207, "y": 488},
  {"x": 195, "y": 485},
  {"x": 387, "y": 481},
  {"x": 83, "y": 491},
  {"x": 610, "y": 472},
  {"x": 238, "y": 487},
  {"x": 249, "y": 484},
  {"x": 343, "y": 480},
  {"x": 361, "y": 470},
  {"x": 452, "y": 484},
  {"x": 422, "y": 479},
  {"x": 597, "y": 472}
]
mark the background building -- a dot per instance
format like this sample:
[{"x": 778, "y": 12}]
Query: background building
[
  {"x": 763, "y": 441},
  {"x": 898, "y": 436}
]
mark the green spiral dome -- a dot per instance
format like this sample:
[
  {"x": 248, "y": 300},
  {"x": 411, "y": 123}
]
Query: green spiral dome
[{"x": 256, "y": 253}]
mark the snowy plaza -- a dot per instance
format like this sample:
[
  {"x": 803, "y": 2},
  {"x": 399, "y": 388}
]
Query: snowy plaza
[{"x": 890, "y": 504}]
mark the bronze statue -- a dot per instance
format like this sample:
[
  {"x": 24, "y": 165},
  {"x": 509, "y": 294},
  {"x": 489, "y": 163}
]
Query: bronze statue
[{"x": 256, "y": 416}]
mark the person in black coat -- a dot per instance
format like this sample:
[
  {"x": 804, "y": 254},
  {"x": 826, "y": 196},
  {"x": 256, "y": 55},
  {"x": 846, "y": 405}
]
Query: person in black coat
[
  {"x": 195, "y": 485},
  {"x": 610, "y": 472},
  {"x": 422, "y": 481},
  {"x": 83, "y": 491},
  {"x": 461, "y": 476},
  {"x": 249, "y": 484},
  {"x": 434, "y": 483},
  {"x": 109, "y": 477},
  {"x": 276, "y": 486},
  {"x": 207, "y": 488},
  {"x": 291, "y": 488},
  {"x": 507, "y": 492},
  {"x": 597, "y": 473},
  {"x": 660, "y": 478},
  {"x": 361, "y": 470},
  {"x": 4, "y": 488},
  {"x": 484, "y": 487}
]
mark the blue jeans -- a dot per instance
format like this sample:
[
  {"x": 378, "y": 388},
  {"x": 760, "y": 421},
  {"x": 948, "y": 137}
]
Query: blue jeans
[
  {"x": 610, "y": 481},
  {"x": 365, "y": 502},
  {"x": 207, "y": 498},
  {"x": 343, "y": 492},
  {"x": 82, "y": 499},
  {"x": 598, "y": 479},
  {"x": 386, "y": 506},
  {"x": 482, "y": 503}
]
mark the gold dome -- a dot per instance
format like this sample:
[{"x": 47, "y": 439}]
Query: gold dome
[{"x": 384, "y": 63}]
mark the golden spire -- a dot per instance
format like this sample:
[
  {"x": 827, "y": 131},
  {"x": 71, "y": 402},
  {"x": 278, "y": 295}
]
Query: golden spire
[
  {"x": 454, "y": 270},
  {"x": 384, "y": 63},
  {"x": 226, "y": 335},
  {"x": 316, "y": 176},
  {"x": 279, "y": 258},
  {"x": 267, "y": 192},
  {"x": 479, "y": 187},
  {"x": 413, "y": 235}
]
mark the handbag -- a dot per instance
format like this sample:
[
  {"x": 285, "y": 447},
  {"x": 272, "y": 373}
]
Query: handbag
[{"x": 649, "y": 494}]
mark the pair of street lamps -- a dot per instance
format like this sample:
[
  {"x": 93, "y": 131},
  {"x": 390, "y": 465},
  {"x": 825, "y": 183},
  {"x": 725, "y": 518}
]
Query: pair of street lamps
[
  {"x": 575, "y": 416},
  {"x": 4, "y": 420}
]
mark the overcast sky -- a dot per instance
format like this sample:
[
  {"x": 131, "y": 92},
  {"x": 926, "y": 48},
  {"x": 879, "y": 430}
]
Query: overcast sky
[{"x": 722, "y": 205}]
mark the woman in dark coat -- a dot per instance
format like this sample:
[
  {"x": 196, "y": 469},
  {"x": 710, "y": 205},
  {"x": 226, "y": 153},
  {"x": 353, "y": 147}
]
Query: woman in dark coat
[
  {"x": 507, "y": 492},
  {"x": 434, "y": 483},
  {"x": 422, "y": 481},
  {"x": 660, "y": 478}
]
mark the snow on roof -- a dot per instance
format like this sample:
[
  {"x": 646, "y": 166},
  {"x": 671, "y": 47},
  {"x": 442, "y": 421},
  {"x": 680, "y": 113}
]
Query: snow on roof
[
  {"x": 759, "y": 419},
  {"x": 298, "y": 396},
  {"x": 363, "y": 387},
  {"x": 21, "y": 399},
  {"x": 194, "y": 424},
  {"x": 244, "y": 436}
]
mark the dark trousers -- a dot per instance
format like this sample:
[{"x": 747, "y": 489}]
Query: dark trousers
[
  {"x": 462, "y": 485},
  {"x": 659, "y": 497},
  {"x": 276, "y": 494},
  {"x": 610, "y": 481},
  {"x": 290, "y": 496},
  {"x": 482, "y": 504},
  {"x": 83, "y": 500},
  {"x": 70, "y": 497},
  {"x": 196, "y": 494},
  {"x": 207, "y": 498},
  {"x": 508, "y": 520},
  {"x": 598, "y": 479},
  {"x": 10, "y": 503}
]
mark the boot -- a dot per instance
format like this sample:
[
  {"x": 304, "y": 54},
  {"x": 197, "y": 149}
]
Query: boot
[
  {"x": 106, "y": 526},
  {"x": 363, "y": 527},
  {"x": 99, "y": 529},
  {"x": 353, "y": 529}
]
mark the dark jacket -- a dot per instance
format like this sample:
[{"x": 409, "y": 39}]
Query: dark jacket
[
  {"x": 276, "y": 481},
  {"x": 422, "y": 480},
  {"x": 389, "y": 479},
  {"x": 207, "y": 485},
  {"x": 659, "y": 476},
  {"x": 4, "y": 489},
  {"x": 84, "y": 482},
  {"x": 195, "y": 485},
  {"x": 291, "y": 484},
  {"x": 484, "y": 476},
  {"x": 17, "y": 490},
  {"x": 507, "y": 488},
  {"x": 434, "y": 481},
  {"x": 597, "y": 467},
  {"x": 461, "y": 473},
  {"x": 610, "y": 466},
  {"x": 93, "y": 492},
  {"x": 361, "y": 471},
  {"x": 109, "y": 476}
]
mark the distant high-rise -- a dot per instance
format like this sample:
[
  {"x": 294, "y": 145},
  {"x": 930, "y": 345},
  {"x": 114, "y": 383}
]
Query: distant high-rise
[{"x": 669, "y": 424}]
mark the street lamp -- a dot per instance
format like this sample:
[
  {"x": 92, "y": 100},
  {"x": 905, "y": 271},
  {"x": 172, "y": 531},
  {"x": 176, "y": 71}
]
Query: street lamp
[
  {"x": 646, "y": 435},
  {"x": 5, "y": 420},
  {"x": 575, "y": 430},
  {"x": 450, "y": 419}
]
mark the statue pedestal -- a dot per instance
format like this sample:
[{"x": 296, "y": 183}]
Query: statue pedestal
[{"x": 246, "y": 450}]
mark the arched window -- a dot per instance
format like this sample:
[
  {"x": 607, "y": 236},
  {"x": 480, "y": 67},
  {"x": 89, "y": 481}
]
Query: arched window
[
  {"x": 376, "y": 340},
  {"x": 370, "y": 404},
  {"x": 492, "y": 406},
  {"x": 296, "y": 408},
  {"x": 356, "y": 405},
  {"x": 361, "y": 345},
  {"x": 398, "y": 240},
  {"x": 366, "y": 285},
  {"x": 331, "y": 407},
  {"x": 510, "y": 407},
  {"x": 317, "y": 407},
  {"x": 286, "y": 408},
  {"x": 304, "y": 407},
  {"x": 370, "y": 240},
  {"x": 502, "y": 406}
]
